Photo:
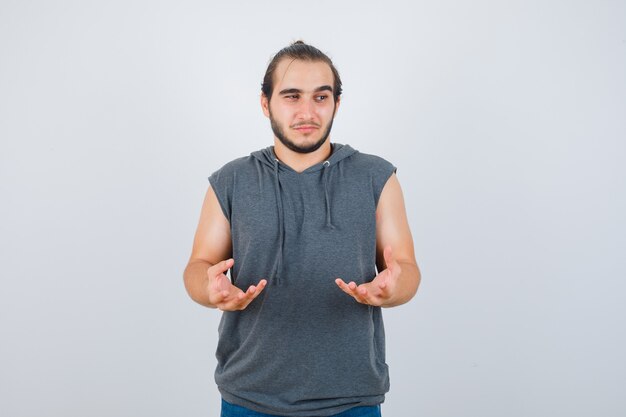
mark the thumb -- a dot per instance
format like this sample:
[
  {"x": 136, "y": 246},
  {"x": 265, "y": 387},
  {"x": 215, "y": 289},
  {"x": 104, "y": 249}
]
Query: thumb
[
  {"x": 388, "y": 255},
  {"x": 220, "y": 267},
  {"x": 220, "y": 286}
]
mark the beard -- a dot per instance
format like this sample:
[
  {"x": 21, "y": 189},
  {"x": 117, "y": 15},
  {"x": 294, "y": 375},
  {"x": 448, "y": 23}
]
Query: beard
[{"x": 282, "y": 137}]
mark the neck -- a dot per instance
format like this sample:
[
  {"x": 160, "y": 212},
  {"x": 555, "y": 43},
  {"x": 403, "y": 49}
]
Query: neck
[{"x": 301, "y": 161}]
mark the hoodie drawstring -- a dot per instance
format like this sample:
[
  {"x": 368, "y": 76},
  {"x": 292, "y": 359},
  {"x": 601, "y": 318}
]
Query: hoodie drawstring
[
  {"x": 268, "y": 158},
  {"x": 281, "y": 227},
  {"x": 329, "y": 223}
]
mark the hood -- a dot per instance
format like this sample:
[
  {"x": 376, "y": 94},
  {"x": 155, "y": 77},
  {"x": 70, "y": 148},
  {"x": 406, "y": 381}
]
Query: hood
[{"x": 268, "y": 158}]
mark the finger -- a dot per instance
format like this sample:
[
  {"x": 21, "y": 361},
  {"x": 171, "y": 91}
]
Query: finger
[
  {"x": 363, "y": 292},
  {"x": 244, "y": 299},
  {"x": 252, "y": 293},
  {"x": 232, "y": 301},
  {"x": 345, "y": 287},
  {"x": 340, "y": 282},
  {"x": 382, "y": 280},
  {"x": 384, "y": 289},
  {"x": 254, "y": 290},
  {"x": 218, "y": 296},
  {"x": 220, "y": 283},
  {"x": 367, "y": 296},
  {"x": 259, "y": 288},
  {"x": 220, "y": 267},
  {"x": 358, "y": 292}
]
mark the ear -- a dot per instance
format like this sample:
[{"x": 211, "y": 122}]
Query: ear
[
  {"x": 337, "y": 103},
  {"x": 265, "y": 105}
]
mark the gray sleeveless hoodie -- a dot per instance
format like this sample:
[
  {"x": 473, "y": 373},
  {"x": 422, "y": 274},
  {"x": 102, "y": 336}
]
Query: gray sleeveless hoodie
[{"x": 303, "y": 347}]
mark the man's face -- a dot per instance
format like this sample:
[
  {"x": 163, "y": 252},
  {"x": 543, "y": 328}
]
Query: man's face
[{"x": 302, "y": 106}]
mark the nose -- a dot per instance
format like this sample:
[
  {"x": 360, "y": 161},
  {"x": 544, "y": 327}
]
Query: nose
[{"x": 306, "y": 109}]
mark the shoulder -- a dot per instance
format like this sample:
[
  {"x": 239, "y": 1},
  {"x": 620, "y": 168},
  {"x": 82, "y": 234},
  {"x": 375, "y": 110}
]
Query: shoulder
[
  {"x": 372, "y": 169},
  {"x": 223, "y": 180},
  {"x": 240, "y": 167},
  {"x": 235, "y": 165},
  {"x": 372, "y": 163}
]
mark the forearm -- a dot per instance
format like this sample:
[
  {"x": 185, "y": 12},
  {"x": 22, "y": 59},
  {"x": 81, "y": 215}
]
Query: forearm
[
  {"x": 407, "y": 285},
  {"x": 197, "y": 282}
]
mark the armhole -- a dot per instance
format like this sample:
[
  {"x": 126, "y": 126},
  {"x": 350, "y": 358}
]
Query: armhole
[
  {"x": 221, "y": 198},
  {"x": 382, "y": 176}
]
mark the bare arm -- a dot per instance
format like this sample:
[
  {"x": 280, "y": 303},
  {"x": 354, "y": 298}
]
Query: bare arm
[
  {"x": 399, "y": 275},
  {"x": 392, "y": 230},
  {"x": 204, "y": 276}
]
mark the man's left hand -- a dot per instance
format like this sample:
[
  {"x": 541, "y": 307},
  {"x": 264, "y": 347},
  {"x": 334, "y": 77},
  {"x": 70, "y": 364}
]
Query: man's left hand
[{"x": 381, "y": 289}]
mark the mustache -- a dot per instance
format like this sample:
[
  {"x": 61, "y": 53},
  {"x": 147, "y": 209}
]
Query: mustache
[{"x": 305, "y": 124}]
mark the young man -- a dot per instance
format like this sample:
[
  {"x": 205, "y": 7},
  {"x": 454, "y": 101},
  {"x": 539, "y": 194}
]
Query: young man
[{"x": 303, "y": 226}]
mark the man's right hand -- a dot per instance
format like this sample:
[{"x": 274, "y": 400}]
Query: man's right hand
[{"x": 226, "y": 296}]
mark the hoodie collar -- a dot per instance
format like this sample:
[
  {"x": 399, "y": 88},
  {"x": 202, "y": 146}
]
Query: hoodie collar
[{"x": 268, "y": 157}]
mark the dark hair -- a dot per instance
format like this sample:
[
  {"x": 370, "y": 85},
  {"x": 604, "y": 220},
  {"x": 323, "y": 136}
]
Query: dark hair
[{"x": 302, "y": 51}]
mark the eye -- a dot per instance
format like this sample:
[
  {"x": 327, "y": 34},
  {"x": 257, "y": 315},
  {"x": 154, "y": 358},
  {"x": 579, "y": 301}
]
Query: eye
[
  {"x": 321, "y": 98},
  {"x": 292, "y": 97}
]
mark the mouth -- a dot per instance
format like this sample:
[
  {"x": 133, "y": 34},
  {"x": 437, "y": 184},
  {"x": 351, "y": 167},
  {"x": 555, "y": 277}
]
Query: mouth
[{"x": 305, "y": 128}]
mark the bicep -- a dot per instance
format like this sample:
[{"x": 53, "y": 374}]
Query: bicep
[
  {"x": 212, "y": 241},
  {"x": 392, "y": 226}
]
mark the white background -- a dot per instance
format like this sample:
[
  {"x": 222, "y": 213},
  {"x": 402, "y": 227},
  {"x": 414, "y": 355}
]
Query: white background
[{"x": 506, "y": 121}]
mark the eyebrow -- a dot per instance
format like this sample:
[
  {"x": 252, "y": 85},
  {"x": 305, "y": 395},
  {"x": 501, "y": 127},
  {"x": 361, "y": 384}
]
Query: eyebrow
[{"x": 298, "y": 91}]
